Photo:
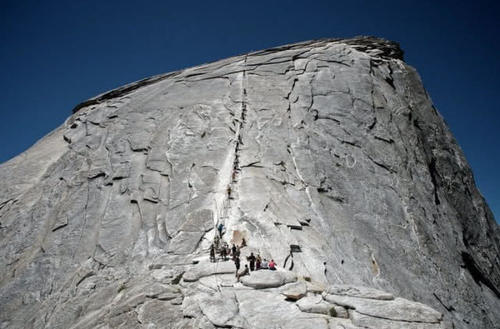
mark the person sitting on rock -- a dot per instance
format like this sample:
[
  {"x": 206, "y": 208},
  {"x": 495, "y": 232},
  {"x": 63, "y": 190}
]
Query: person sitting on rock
[
  {"x": 212, "y": 253},
  {"x": 258, "y": 262},
  {"x": 237, "y": 264},
  {"x": 272, "y": 265},
  {"x": 251, "y": 259},
  {"x": 264, "y": 264},
  {"x": 243, "y": 273}
]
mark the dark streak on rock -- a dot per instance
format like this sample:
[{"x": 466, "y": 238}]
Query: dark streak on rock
[
  {"x": 477, "y": 275},
  {"x": 434, "y": 175}
]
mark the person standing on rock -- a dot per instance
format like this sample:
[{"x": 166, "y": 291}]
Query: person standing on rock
[
  {"x": 258, "y": 262},
  {"x": 216, "y": 242},
  {"x": 237, "y": 264},
  {"x": 251, "y": 259},
  {"x": 224, "y": 251},
  {"x": 212, "y": 253},
  {"x": 233, "y": 250}
]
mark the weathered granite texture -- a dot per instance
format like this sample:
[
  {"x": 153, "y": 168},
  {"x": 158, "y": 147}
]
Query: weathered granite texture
[{"x": 326, "y": 156}]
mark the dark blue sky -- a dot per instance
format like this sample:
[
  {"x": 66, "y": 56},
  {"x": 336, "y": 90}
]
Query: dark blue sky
[{"x": 55, "y": 54}]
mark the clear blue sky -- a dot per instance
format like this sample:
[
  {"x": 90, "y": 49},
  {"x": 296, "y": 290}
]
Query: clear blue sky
[{"x": 55, "y": 54}]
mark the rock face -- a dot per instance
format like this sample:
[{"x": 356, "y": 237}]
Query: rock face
[{"x": 326, "y": 156}]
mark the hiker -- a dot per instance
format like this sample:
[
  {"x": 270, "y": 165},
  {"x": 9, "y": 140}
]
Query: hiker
[
  {"x": 216, "y": 241},
  {"x": 264, "y": 264},
  {"x": 238, "y": 252},
  {"x": 212, "y": 253},
  {"x": 223, "y": 252},
  {"x": 237, "y": 264},
  {"x": 233, "y": 251},
  {"x": 220, "y": 228},
  {"x": 258, "y": 262},
  {"x": 251, "y": 259},
  {"x": 272, "y": 265},
  {"x": 243, "y": 273},
  {"x": 243, "y": 242}
]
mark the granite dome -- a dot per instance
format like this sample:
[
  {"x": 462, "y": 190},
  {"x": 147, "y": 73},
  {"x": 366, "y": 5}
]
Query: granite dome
[{"x": 326, "y": 156}]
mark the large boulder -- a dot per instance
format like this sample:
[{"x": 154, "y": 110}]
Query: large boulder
[
  {"x": 203, "y": 269},
  {"x": 263, "y": 279}
]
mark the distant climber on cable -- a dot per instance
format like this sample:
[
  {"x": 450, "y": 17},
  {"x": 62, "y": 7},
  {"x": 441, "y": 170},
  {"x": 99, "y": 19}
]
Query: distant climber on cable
[{"x": 220, "y": 228}]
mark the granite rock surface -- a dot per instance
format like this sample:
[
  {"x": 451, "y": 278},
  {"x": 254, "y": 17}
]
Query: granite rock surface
[{"x": 326, "y": 156}]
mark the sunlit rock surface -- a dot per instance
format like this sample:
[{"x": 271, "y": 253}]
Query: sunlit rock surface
[{"x": 326, "y": 156}]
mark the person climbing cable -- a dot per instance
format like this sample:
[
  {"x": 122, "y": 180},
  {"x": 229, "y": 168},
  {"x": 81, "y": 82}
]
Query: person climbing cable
[{"x": 220, "y": 228}]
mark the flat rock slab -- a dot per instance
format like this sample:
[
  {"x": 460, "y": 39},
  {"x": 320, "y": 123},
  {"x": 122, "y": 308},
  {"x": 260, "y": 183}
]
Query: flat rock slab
[
  {"x": 221, "y": 309},
  {"x": 366, "y": 321},
  {"x": 268, "y": 279},
  {"x": 356, "y": 291},
  {"x": 185, "y": 243},
  {"x": 398, "y": 309},
  {"x": 198, "y": 221},
  {"x": 162, "y": 292},
  {"x": 205, "y": 269},
  {"x": 315, "y": 287},
  {"x": 294, "y": 291},
  {"x": 218, "y": 280},
  {"x": 314, "y": 304},
  {"x": 337, "y": 323},
  {"x": 267, "y": 309},
  {"x": 306, "y": 323}
]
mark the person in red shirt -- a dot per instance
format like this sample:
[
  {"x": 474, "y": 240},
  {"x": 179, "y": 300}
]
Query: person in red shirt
[{"x": 272, "y": 265}]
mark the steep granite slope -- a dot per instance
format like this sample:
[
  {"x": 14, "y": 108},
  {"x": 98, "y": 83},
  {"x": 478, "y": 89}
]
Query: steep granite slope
[{"x": 326, "y": 156}]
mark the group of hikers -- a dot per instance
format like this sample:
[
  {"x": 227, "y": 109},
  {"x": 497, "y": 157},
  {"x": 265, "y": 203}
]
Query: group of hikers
[{"x": 254, "y": 262}]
